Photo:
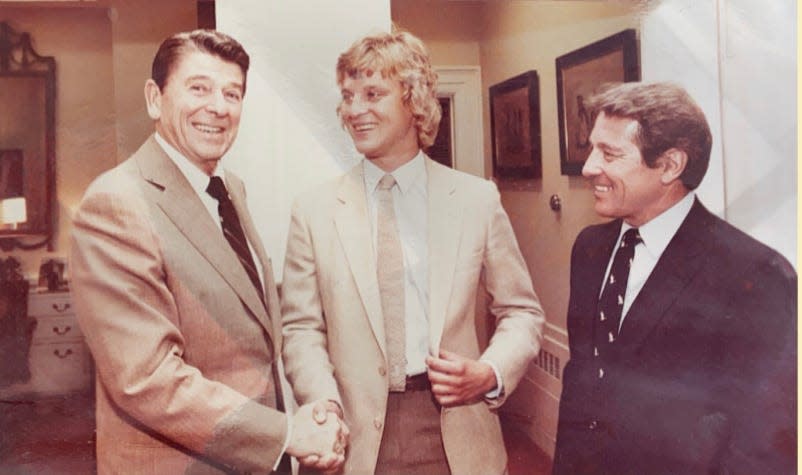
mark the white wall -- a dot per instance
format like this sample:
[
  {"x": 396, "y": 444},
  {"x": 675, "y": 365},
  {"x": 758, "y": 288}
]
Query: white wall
[
  {"x": 290, "y": 137},
  {"x": 679, "y": 43},
  {"x": 758, "y": 61},
  {"x": 737, "y": 58}
]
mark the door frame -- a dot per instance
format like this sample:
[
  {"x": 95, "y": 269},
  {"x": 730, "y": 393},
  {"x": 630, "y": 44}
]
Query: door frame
[{"x": 463, "y": 84}]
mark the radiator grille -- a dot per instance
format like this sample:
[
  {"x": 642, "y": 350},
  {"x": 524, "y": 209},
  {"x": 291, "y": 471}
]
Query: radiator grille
[{"x": 549, "y": 363}]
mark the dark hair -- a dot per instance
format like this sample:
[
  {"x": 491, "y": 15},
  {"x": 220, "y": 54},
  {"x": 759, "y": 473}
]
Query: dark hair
[
  {"x": 667, "y": 118},
  {"x": 208, "y": 41}
]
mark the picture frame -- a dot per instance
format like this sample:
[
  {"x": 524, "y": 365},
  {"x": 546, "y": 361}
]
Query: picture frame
[
  {"x": 579, "y": 73},
  {"x": 515, "y": 127}
]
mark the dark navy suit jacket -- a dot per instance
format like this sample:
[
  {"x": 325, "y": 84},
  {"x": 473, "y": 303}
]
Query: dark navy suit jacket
[{"x": 703, "y": 375}]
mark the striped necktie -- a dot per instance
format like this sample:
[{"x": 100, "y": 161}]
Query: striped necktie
[{"x": 232, "y": 230}]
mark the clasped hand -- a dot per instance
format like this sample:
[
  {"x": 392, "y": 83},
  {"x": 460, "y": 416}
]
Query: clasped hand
[{"x": 319, "y": 436}]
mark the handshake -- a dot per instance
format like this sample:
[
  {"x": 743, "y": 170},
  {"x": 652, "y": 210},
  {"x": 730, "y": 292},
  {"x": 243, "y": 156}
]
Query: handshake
[{"x": 319, "y": 436}]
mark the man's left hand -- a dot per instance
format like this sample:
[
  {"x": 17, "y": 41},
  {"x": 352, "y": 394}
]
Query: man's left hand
[{"x": 457, "y": 380}]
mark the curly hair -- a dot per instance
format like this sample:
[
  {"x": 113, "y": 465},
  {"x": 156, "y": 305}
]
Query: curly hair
[
  {"x": 398, "y": 55},
  {"x": 667, "y": 118},
  {"x": 208, "y": 41}
]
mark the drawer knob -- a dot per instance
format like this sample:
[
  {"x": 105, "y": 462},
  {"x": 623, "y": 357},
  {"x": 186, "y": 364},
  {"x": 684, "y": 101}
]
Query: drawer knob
[
  {"x": 63, "y": 355},
  {"x": 61, "y": 307},
  {"x": 59, "y": 331}
]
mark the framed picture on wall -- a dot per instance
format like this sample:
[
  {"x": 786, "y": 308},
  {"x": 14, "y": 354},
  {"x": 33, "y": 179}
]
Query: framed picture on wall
[
  {"x": 515, "y": 127},
  {"x": 579, "y": 74}
]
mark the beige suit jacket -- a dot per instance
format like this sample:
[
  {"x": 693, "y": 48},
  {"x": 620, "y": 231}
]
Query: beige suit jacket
[
  {"x": 184, "y": 348},
  {"x": 334, "y": 339}
]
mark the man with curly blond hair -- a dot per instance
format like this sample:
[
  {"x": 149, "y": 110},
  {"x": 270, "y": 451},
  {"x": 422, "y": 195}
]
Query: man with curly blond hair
[{"x": 381, "y": 278}]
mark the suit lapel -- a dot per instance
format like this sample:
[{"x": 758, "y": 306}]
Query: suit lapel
[
  {"x": 183, "y": 207},
  {"x": 353, "y": 227},
  {"x": 598, "y": 255},
  {"x": 681, "y": 260},
  {"x": 444, "y": 224},
  {"x": 237, "y": 193}
]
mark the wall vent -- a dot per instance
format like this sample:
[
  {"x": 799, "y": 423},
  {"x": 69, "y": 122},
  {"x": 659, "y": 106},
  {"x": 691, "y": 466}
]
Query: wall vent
[{"x": 549, "y": 363}]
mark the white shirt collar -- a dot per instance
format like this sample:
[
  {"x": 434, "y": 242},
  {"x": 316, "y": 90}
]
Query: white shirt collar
[
  {"x": 408, "y": 175},
  {"x": 658, "y": 232},
  {"x": 197, "y": 179}
]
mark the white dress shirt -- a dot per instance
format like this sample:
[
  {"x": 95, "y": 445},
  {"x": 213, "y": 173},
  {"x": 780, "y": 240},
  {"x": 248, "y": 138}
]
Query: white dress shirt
[
  {"x": 656, "y": 234},
  {"x": 411, "y": 214}
]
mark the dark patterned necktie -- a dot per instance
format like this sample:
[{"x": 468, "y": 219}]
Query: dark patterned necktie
[
  {"x": 611, "y": 302},
  {"x": 232, "y": 230}
]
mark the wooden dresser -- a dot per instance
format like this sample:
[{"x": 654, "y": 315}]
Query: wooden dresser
[
  {"x": 48, "y": 421},
  {"x": 59, "y": 360}
]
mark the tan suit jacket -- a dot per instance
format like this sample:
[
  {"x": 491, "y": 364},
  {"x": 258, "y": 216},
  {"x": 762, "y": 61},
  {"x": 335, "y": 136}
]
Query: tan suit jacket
[
  {"x": 184, "y": 348},
  {"x": 332, "y": 321}
]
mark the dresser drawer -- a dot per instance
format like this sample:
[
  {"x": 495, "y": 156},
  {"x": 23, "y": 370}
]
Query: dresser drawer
[
  {"x": 44, "y": 304},
  {"x": 56, "y": 329},
  {"x": 58, "y": 368}
]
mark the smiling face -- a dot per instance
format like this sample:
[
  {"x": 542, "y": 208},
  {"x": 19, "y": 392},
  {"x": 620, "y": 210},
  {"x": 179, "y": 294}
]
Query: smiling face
[
  {"x": 198, "y": 109},
  {"x": 380, "y": 124},
  {"x": 623, "y": 186}
]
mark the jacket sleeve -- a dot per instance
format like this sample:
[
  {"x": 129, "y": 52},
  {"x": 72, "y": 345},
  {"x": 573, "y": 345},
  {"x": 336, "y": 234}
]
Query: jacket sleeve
[
  {"x": 306, "y": 357},
  {"x": 514, "y": 304}
]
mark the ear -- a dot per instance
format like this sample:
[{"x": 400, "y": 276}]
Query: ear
[
  {"x": 672, "y": 163},
  {"x": 153, "y": 99}
]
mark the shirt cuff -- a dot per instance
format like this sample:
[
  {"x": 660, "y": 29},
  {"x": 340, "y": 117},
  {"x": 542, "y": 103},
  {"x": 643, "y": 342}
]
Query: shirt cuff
[
  {"x": 286, "y": 441},
  {"x": 499, "y": 389}
]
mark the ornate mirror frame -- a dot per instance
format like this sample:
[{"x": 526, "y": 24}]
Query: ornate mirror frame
[{"x": 27, "y": 140}]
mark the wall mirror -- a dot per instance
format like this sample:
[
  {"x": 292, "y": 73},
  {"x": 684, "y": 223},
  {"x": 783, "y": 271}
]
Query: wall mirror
[{"x": 27, "y": 142}]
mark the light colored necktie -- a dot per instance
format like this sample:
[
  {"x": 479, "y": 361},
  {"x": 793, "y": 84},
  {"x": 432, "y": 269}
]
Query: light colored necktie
[{"x": 390, "y": 273}]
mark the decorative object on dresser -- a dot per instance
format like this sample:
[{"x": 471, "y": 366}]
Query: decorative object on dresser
[{"x": 51, "y": 274}]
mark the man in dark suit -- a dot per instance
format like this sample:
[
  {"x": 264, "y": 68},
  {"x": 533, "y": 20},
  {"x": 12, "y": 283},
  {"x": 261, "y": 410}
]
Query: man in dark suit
[
  {"x": 175, "y": 292},
  {"x": 682, "y": 332}
]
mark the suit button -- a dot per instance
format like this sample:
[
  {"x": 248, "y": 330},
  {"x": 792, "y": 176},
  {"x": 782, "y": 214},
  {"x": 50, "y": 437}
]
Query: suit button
[
  {"x": 592, "y": 425},
  {"x": 377, "y": 423},
  {"x": 382, "y": 371}
]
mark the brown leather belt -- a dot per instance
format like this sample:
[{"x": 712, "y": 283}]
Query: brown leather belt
[{"x": 419, "y": 382}]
